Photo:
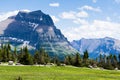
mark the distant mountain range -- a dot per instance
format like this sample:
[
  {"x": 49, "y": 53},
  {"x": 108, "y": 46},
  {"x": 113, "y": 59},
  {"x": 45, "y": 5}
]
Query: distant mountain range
[
  {"x": 99, "y": 46},
  {"x": 35, "y": 30}
]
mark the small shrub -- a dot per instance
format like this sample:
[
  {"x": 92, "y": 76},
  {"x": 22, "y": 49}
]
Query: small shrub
[{"x": 19, "y": 78}]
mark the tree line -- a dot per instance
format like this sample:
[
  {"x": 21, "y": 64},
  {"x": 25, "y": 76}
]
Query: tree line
[
  {"x": 23, "y": 56},
  {"x": 41, "y": 57},
  {"x": 106, "y": 62}
]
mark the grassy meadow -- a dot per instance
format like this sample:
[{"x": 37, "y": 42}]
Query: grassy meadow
[{"x": 56, "y": 73}]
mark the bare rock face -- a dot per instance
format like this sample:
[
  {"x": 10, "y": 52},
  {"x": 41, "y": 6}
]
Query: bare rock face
[
  {"x": 95, "y": 47},
  {"x": 36, "y": 30}
]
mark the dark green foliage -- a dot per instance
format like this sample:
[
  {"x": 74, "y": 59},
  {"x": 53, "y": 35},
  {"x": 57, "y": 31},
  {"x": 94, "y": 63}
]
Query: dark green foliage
[
  {"x": 14, "y": 55},
  {"x": 26, "y": 58},
  {"x": 77, "y": 60},
  {"x": 19, "y": 78},
  {"x": 36, "y": 58},
  {"x": 41, "y": 57},
  {"x": 68, "y": 60},
  {"x": 115, "y": 61},
  {"x": 56, "y": 61},
  {"x": 102, "y": 60},
  {"x": 20, "y": 54},
  {"x": 5, "y": 52},
  {"x": 119, "y": 58},
  {"x": 108, "y": 62},
  {"x": 85, "y": 58},
  {"x": 23, "y": 57}
]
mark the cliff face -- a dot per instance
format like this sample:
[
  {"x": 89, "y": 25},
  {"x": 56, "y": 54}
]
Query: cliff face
[
  {"x": 95, "y": 47},
  {"x": 35, "y": 29}
]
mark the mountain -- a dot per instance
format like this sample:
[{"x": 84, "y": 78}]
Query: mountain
[
  {"x": 35, "y": 29},
  {"x": 99, "y": 46}
]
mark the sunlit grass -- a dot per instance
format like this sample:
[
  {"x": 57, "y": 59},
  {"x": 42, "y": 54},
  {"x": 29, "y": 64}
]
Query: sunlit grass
[{"x": 56, "y": 73}]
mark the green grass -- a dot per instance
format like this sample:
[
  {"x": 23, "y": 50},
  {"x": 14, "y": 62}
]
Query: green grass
[{"x": 56, "y": 73}]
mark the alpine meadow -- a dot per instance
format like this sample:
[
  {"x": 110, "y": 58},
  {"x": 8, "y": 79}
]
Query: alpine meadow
[{"x": 60, "y": 40}]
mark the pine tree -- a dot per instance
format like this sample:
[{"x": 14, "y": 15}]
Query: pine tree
[
  {"x": 108, "y": 65},
  {"x": 102, "y": 60},
  {"x": 41, "y": 57},
  {"x": 4, "y": 54},
  {"x": 85, "y": 58},
  {"x": 37, "y": 57},
  {"x": 56, "y": 61},
  {"x": 119, "y": 58},
  {"x": 42, "y": 60},
  {"x": 14, "y": 55},
  {"x": 26, "y": 58},
  {"x": 115, "y": 61},
  {"x": 20, "y": 55},
  {"x": 77, "y": 61},
  {"x": 8, "y": 49},
  {"x": 68, "y": 60}
]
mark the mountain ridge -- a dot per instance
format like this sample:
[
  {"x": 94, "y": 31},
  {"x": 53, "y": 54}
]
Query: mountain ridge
[
  {"x": 97, "y": 46},
  {"x": 35, "y": 29}
]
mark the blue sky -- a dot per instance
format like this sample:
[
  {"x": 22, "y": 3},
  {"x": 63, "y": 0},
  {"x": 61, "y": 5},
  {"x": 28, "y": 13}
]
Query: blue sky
[{"x": 76, "y": 18}]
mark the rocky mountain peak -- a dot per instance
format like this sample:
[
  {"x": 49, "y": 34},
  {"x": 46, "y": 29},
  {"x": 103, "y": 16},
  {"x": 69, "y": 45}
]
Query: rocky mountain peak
[
  {"x": 37, "y": 17},
  {"x": 36, "y": 29}
]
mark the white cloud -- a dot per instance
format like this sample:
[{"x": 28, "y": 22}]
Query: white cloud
[
  {"x": 76, "y": 17},
  {"x": 55, "y": 19},
  {"x": 94, "y": 1},
  {"x": 5, "y": 15},
  {"x": 86, "y": 7},
  {"x": 68, "y": 15},
  {"x": 97, "y": 29},
  {"x": 80, "y": 21},
  {"x": 108, "y": 18},
  {"x": 82, "y": 14},
  {"x": 54, "y": 4},
  {"x": 25, "y": 10},
  {"x": 117, "y": 1}
]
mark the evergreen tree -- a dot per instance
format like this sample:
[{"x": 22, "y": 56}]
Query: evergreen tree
[
  {"x": 8, "y": 50},
  {"x": 102, "y": 60},
  {"x": 20, "y": 55},
  {"x": 77, "y": 61},
  {"x": 26, "y": 58},
  {"x": 37, "y": 58},
  {"x": 4, "y": 54},
  {"x": 14, "y": 55},
  {"x": 42, "y": 52},
  {"x": 108, "y": 65},
  {"x": 68, "y": 60},
  {"x": 85, "y": 58},
  {"x": 119, "y": 58},
  {"x": 56, "y": 61},
  {"x": 47, "y": 58},
  {"x": 115, "y": 61},
  {"x": 41, "y": 57}
]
